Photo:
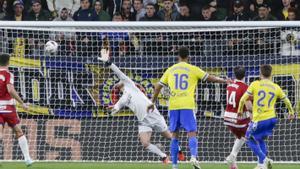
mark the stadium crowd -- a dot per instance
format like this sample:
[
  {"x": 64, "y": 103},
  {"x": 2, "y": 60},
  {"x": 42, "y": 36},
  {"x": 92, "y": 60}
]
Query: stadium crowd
[{"x": 149, "y": 10}]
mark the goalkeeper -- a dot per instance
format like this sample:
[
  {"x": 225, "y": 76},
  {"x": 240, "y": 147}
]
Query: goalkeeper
[{"x": 138, "y": 102}]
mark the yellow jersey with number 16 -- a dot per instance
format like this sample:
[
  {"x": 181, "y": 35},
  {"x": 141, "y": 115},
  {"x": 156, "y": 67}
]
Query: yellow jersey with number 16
[
  {"x": 182, "y": 79},
  {"x": 265, "y": 93}
]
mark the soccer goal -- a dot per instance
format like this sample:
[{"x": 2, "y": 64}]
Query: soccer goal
[{"x": 70, "y": 90}]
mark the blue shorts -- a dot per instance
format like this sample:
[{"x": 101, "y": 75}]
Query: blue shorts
[
  {"x": 262, "y": 129},
  {"x": 184, "y": 118}
]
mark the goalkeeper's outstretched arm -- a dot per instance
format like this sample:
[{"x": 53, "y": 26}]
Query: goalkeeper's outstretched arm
[
  {"x": 105, "y": 58},
  {"x": 119, "y": 73}
]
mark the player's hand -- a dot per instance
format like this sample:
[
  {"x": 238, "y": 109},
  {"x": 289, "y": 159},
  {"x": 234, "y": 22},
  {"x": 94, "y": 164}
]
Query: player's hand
[
  {"x": 25, "y": 106},
  {"x": 150, "y": 108},
  {"x": 111, "y": 111},
  {"x": 240, "y": 114},
  {"x": 292, "y": 117},
  {"x": 104, "y": 55}
]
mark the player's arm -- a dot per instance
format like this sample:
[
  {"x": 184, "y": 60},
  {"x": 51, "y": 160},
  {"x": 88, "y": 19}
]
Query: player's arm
[
  {"x": 119, "y": 73},
  {"x": 13, "y": 93},
  {"x": 157, "y": 90},
  {"x": 289, "y": 106},
  {"x": 210, "y": 78},
  {"x": 242, "y": 103},
  {"x": 162, "y": 82},
  {"x": 248, "y": 105},
  {"x": 119, "y": 105},
  {"x": 105, "y": 58},
  {"x": 215, "y": 79},
  {"x": 287, "y": 102}
]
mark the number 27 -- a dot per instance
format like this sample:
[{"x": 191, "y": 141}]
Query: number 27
[{"x": 262, "y": 94}]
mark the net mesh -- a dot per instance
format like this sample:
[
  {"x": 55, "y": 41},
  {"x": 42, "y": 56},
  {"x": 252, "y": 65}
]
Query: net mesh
[{"x": 70, "y": 90}]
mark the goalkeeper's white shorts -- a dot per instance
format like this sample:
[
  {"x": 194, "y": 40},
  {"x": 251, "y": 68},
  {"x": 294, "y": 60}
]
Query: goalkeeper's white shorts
[{"x": 153, "y": 121}]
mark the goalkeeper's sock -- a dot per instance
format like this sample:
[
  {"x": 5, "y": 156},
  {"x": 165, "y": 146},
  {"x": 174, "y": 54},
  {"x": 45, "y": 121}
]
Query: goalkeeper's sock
[
  {"x": 174, "y": 150},
  {"x": 256, "y": 150},
  {"x": 263, "y": 146},
  {"x": 154, "y": 149},
  {"x": 193, "y": 144},
  {"x": 238, "y": 144},
  {"x": 24, "y": 147}
]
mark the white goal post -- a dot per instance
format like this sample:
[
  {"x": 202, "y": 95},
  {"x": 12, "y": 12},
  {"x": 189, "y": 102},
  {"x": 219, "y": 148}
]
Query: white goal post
[{"x": 70, "y": 90}]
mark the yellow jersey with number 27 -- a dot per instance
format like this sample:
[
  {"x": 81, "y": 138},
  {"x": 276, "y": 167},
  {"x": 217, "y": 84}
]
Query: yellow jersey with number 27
[{"x": 265, "y": 93}]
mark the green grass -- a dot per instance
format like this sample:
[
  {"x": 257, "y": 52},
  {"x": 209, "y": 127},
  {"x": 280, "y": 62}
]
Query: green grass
[{"x": 63, "y": 165}]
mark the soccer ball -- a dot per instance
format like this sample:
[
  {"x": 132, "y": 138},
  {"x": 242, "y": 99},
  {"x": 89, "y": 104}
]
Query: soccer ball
[{"x": 51, "y": 47}]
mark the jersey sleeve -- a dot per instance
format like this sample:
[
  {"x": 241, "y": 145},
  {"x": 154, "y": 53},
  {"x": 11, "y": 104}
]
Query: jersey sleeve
[
  {"x": 250, "y": 89},
  {"x": 200, "y": 74},
  {"x": 9, "y": 79},
  {"x": 281, "y": 95},
  {"x": 123, "y": 101},
  {"x": 164, "y": 79}
]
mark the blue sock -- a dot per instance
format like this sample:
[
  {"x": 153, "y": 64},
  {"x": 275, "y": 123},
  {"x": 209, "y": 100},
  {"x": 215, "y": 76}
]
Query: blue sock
[
  {"x": 193, "y": 144},
  {"x": 174, "y": 150},
  {"x": 255, "y": 147},
  {"x": 263, "y": 146}
]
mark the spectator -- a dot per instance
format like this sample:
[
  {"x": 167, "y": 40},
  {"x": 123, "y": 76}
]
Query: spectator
[
  {"x": 3, "y": 9},
  {"x": 150, "y": 14},
  {"x": 254, "y": 6},
  {"x": 264, "y": 13},
  {"x": 219, "y": 12},
  {"x": 55, "y": 6},
  {"x": 146, "y": 2},
  {"x": 103, "y": 15},
  {"x": 292, "y": 14},
  {"x": 19, "y": 12},
  {"x": 117, "y": 17},
  {"x": 282, "y": 14},
  {"x": 126, "y": 11},
  {"x": 138, "y": 9},
  {"x": 169, "y": 11},
  {"x": 64, "y": 15},
  {"x": 66, "y": 39},
  {"x": 239, "y": 13},
  {"x": 184, "y": 13},
  {"x": 37, "y": 13},
  {"x": 85, "y": 12},
  {"x": 207, "y": 14}
]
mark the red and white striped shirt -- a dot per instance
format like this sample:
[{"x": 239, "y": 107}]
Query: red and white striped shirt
[
  {"x": 235, "y": 91},
  {"x": 6, "y": 101}
]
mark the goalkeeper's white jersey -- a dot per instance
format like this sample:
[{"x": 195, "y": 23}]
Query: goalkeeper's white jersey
[{"x": 132, "y": 97}]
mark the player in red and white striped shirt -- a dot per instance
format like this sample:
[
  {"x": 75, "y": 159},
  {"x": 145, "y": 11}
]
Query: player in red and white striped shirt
[
  {"x": 8, "y": 113},
  {"x": 236, "y": 124}
]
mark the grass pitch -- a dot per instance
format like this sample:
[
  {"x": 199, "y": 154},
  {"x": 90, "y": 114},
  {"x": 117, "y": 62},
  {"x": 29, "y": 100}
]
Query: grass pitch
[{"x": 85, "y": 165}]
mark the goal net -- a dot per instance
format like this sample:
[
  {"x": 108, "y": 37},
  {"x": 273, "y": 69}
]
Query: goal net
[{"x": 69, "y": 91}]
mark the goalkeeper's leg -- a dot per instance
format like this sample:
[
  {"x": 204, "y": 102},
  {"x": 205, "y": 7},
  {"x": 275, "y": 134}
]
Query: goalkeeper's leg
[{"x": 145, "y": 140}]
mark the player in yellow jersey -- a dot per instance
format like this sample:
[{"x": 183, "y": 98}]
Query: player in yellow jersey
[
  {"x": 265, "y": 93},
  {"x": 182, "y": 79}
]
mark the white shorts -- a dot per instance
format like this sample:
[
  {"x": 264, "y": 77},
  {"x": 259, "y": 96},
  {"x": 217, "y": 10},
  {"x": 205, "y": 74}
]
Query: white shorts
[{"x": 153, "y": 121}]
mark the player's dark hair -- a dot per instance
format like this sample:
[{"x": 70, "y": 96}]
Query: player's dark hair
[
  {"x": 4, "y": 59},
  {"x": 183, "y": 52},
  {"x": 239, "y": 72},
  {"x": 266, "y": 70}
]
